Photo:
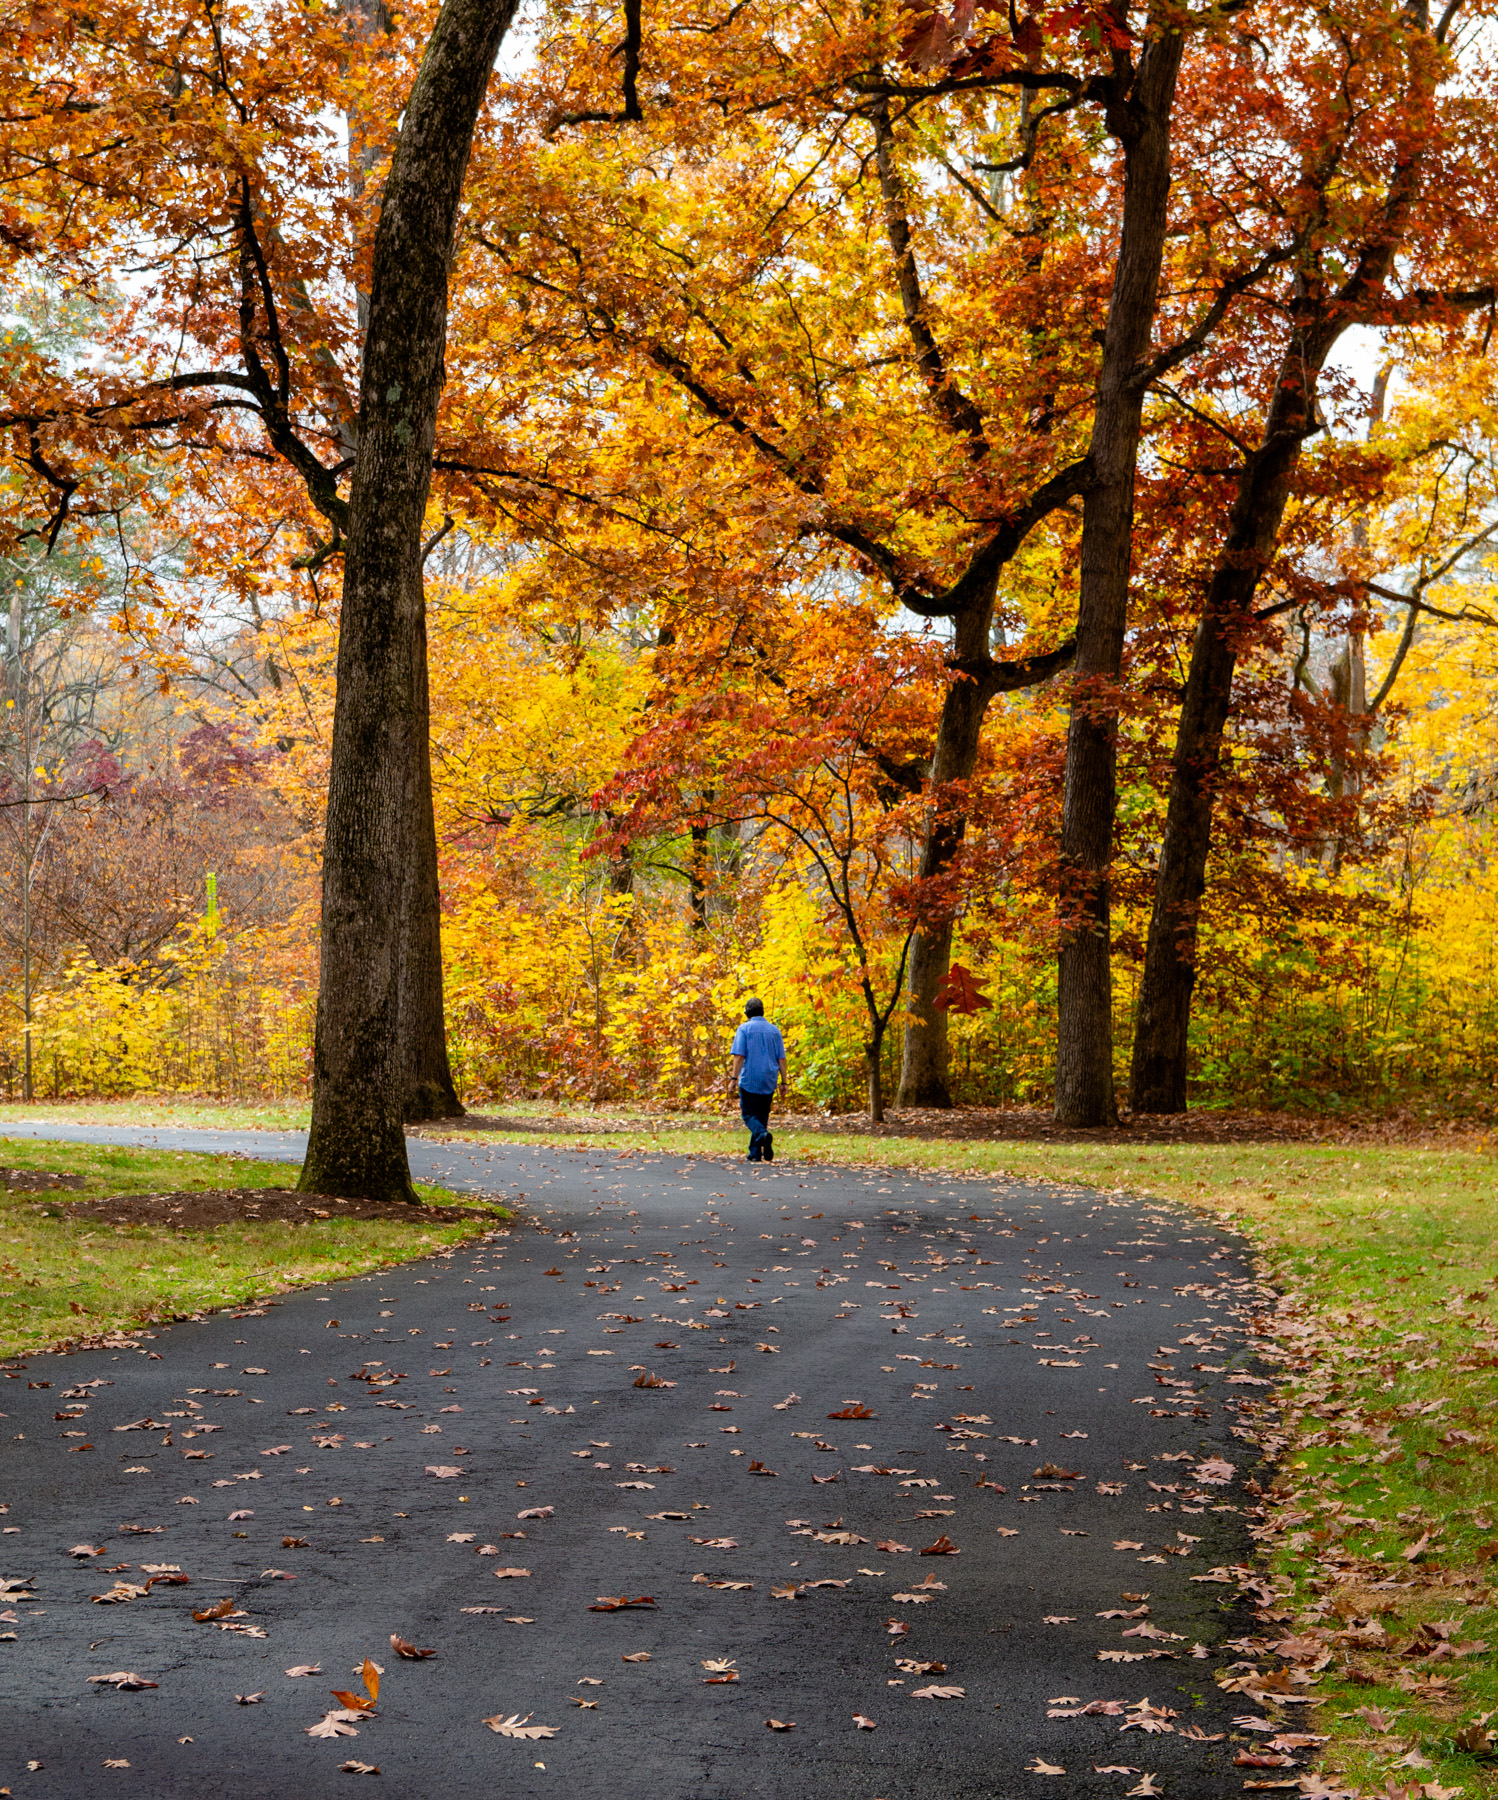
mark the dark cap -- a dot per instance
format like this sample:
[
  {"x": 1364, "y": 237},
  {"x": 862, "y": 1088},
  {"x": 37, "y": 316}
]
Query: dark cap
[{"x": 754, "y": 1008}]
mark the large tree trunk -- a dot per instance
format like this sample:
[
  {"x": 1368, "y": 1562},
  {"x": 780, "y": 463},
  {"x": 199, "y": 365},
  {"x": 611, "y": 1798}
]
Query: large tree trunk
[
  {"x": 1158, "y": 1077},
  {"x": 1084, "y": 1036},
  {"x": 428, "y": 1089},
  {"x": 374, "y": 849}
]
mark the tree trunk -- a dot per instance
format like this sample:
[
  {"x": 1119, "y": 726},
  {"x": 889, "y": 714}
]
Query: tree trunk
[
  {"x": 873, "y": 1058},
  {"x": 923, "y": 1066},
  {"x": 429, "y": 1091},
  {"x": 375, "y": 853},
  {"x": 1084, "y": 1036},
  {"x": 1158, "y": 1076}
]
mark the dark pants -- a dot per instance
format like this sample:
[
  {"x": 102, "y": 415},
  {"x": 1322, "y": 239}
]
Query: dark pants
[{"x": 756, "y": 1112}]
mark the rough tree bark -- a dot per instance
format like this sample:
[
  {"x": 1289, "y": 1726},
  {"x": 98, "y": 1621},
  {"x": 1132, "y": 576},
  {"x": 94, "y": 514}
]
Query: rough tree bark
[
  {"x": 374, "y": 853},
  {"x": 1140, "y": 119}
]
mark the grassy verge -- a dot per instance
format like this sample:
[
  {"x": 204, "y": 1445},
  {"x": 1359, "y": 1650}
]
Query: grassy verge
[
  {"x": 204, "y": 1115},
  {"x": 64, "y": 1278},
  {"x": 1381, "y": 1526}
]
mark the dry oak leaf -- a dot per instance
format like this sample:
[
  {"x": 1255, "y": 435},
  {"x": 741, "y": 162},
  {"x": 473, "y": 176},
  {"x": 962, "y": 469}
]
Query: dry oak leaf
[
  {"x": 510, "y": 1574},
  {"x": 722, "y": 1543},
  {"x": 636, "y": 1656},
  {"x": 942, "y": 1547},
  {"x": 619, "y": 1602},
  {"x": 781, "y": 1724},
  {"x": 334, "y": 1724},
  {"x": 518, "y": 1726},
  {"x": 861, "y": 1723},
  {"x": 911, "y": 1600},
  {"x": 219, "y": 1611},
  {"x": 648, "y": 1379},
  {"x": 854, "y": 1410},
  {"x": 115, "y": 1762},
  {"x": 401, "y": 1648},
  {"x": 250, "y": 1699},
  {"x": 1041, "y": 1767},
  {"x": 124, "y": 1680},
  {"x": 537, "y": 1512},
  {"x": 443, "y": 1471},
  {"x": 938, "y": 1693},
  {"x": 890, "y": 1548},
  {"x": 1145, "y": 1785},
  {"x": 1126, "y": 1544},
  {"x": 357, "y": 1768},
  {"x": 305, "y": 1669}
]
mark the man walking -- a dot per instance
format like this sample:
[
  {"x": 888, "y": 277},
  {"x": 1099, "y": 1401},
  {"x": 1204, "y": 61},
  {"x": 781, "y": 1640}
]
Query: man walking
[{"x": 758, "y": 1064}]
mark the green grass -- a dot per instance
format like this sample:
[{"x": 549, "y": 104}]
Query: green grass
[{"x": 66, "y": 1278}]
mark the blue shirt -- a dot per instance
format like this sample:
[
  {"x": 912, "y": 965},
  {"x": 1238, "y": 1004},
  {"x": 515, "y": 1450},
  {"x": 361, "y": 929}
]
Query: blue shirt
[{"x": 759, "y": 1043}]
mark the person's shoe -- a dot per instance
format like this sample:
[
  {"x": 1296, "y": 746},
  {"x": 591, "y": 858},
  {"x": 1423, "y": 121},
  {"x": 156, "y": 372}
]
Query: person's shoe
[
  {"x": 751, "y": 1157},
  {"x": 769, "y": 1146}
]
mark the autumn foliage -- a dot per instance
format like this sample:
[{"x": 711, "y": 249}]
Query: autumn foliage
[{"x": 766, "y": 542}]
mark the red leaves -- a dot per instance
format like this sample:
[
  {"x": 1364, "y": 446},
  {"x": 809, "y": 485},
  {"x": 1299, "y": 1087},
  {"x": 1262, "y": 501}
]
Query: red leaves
[
  {"x": 403, "y": 1648},
  {"x": 647, "y": 1379},
  {"x": 942, "y": 1547},
  {"x": 620, "y": 1602},
  {"x": 219, "y": 1611},
  {"x": 958, "y": 992},
  {"x": 854, "y": 1410}
]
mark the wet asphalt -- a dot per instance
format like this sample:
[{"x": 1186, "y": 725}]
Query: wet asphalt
[{"x": 1033, "y": 1375}]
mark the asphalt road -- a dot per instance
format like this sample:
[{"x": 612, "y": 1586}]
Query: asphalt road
[{"x": 991, "y": 1329}]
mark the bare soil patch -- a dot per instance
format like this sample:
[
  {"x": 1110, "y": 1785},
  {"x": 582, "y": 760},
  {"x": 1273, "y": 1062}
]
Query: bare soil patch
[
  {"x": 38, "y": 1181},
  {"x": 200, "y": 1209}
]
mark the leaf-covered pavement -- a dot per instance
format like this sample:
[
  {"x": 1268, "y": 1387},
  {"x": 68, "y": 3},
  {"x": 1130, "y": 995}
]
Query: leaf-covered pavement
[{"x": 797, "y": 1479}]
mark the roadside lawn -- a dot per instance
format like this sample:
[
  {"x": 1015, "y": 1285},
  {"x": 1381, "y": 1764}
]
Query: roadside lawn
[
  {"x": 1380, "y": 1525},
  {"x": 69, "y": 1279}
]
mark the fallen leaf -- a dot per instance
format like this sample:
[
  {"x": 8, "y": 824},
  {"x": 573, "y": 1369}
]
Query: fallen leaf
[
  {"x": 510, "y": 1574},
  {"x": 781, "y": 1724},
  {"x": 619, "y": 1602},
  {"x": 305, "y": 1669},
  {"x": 636, "y": 1656},
  {"x": 409, "y": 1651},
  {"x": 853, "y": 1411},
  {"x": 124, "y": 1680},
  {"x": 647, "y": 1379},
  {"x": 518, "y": 1726},
  {"x": 333, "y": 1725},
  {"x": 861, "y": 1723},
  {"x": 443, "y": 1472},
  {"x": 115, "y": 1762},
  {"x": 219, "y": 1611},
  {"x": 1040, "y": 1767},
  {"x": 250, "y": 1699},
  {"x": 1145, "y": 1785},
  {"x": 942, "y": 1547},
  {"x": 537, "y": 1512},
  {"x": 1127, "y": 1544},
  {"x": 357, "y": 1768},
  {"x": 938, "y": 1693}
]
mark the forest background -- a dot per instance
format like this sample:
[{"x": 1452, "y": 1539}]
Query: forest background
[{"x": 766, "y": 384}]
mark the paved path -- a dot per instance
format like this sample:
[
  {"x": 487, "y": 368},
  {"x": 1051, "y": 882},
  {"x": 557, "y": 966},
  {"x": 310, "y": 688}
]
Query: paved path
[{"x": 990, "y": 1329}]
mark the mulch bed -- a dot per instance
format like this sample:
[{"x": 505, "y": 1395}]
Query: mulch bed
[
  {"x": 38, "y": 1181},
  {"x": 199, "y": 1209}
]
